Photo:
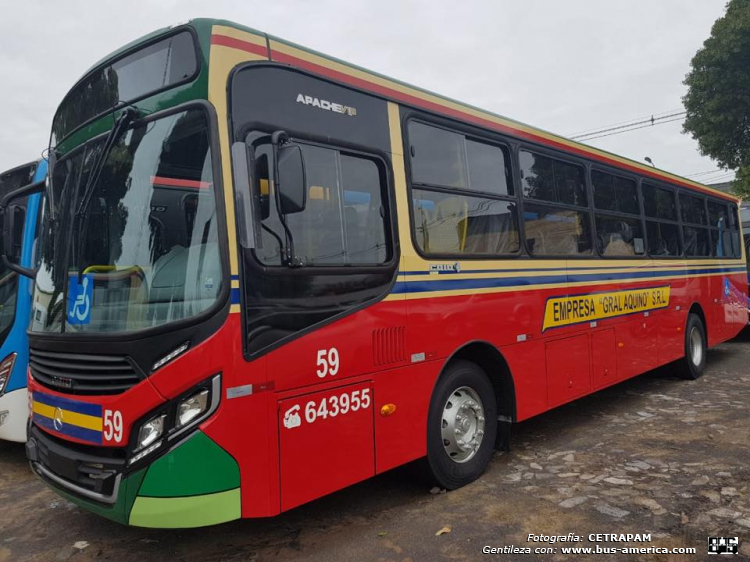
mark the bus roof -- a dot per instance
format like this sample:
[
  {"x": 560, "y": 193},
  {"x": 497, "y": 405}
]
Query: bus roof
[{"x": 282, "y": 50}]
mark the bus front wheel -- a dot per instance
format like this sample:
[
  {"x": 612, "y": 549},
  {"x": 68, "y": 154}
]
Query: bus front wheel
[
  {"x": 461, "y": 425},
  {"x": 695, "y": 348}
]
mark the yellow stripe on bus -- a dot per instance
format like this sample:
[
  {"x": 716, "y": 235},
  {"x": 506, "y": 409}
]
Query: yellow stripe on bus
[
  {"x": 235, "y": 33},
  {"x": 512, "y": 273},
  {"x": 221, "y": 62},
  {"x": 416, "y": 263},
  {"x": 68, "y": 417}
]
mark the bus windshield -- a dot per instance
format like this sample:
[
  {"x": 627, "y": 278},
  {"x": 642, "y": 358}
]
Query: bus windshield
[
  {"x": 142, "y": 250},
  {"x": 160, "y": 65}
]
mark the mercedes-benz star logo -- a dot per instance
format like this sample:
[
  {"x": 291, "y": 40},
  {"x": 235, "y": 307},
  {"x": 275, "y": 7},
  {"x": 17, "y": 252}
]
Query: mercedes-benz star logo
[{"x": 58, "y": 421}]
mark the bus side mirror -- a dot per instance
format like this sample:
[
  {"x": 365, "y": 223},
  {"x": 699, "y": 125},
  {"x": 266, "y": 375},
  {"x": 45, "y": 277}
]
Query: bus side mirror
[
  {"x": 291, "y": 179},
  {"x": 10, "y": 227}
]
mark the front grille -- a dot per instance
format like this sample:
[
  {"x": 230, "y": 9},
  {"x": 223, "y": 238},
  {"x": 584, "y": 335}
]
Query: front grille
[{"x": 77, "y": 373}]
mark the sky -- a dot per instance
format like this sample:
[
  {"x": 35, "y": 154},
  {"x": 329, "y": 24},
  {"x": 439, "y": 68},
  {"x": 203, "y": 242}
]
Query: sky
[{"x": 564, "y": 66}]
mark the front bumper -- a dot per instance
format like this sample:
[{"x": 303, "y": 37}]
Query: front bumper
[{"x": 195, "y": 484}]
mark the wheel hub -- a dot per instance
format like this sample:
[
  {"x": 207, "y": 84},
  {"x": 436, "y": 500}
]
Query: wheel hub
[
  {"x": 696, "y": 346},
  {"x": 463, "y": 424}
]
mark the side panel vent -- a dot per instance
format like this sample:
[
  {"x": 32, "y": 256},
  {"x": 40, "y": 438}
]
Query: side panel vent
[{"x": 388, "y": 345}]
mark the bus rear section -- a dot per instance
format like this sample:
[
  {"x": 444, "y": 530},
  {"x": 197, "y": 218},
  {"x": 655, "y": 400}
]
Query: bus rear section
[
  {"x": 287, "y": 274},
  {"x": 15, "y": 299}
]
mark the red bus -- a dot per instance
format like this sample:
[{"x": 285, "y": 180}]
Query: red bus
[{"x": 266, "y": 274}]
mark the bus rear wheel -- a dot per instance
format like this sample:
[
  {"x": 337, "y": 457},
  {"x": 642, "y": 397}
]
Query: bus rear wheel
[
  {"x": 695, "y": 348},
  {"x": 461, "y": 425}
]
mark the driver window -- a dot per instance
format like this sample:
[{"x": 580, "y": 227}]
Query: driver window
[{"x": 343, "y": 222}]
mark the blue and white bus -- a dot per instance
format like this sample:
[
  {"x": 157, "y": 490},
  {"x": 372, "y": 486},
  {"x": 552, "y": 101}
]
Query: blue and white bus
[{"x": 15, "y": 301}]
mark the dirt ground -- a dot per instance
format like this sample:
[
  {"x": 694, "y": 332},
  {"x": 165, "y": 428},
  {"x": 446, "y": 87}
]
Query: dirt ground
[{"x": 652, "y": 455}]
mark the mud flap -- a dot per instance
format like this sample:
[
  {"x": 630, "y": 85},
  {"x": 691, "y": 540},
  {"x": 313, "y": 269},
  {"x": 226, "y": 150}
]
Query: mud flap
[{"x": 502, "y": 441}]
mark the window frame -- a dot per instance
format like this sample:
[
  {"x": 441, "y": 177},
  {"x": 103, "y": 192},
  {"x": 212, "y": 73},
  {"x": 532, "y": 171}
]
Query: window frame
[
  {"x": 623, "y": 176},
  {"x": 468, "y": 134},
  {"x": 570, "y": 159},
  {"x": 715, "y": 229},
  {"x": 565, "y": 158},
  {"x": 595, "y": 167},
  {"x": 505, "y": 147},
  {"x": 735, "y": 210},
  {"x": 387, "y": 200},
  {"x": 687, "y": 224},
  {"x": 646, "y": 219},
  {"x": 696, "y": 195}
]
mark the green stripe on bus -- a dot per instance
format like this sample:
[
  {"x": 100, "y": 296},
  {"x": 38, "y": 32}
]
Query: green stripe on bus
[
  {"x": 193, "y": 511},
  {"x": 198, "y": 466}
]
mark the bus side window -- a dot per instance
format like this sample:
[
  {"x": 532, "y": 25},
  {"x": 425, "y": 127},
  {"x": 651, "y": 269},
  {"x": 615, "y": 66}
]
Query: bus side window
[
  {"x": 456, "y": 224},
  {"x": 619, "y": 236},
  {"x": 462, "y": 194},
  {"x": 364, "y": 214},
  {"x": 662, "y": 227},
  {"x": 553, "y": 231}
]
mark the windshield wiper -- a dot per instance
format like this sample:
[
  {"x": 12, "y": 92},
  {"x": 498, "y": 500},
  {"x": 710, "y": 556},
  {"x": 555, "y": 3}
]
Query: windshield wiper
[{"x": 128, "y": 115}]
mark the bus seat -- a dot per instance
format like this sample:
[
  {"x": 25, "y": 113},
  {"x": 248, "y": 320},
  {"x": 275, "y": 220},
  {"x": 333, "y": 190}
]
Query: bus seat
[
  {"x": 491, "y": 234},
  {"x": 555, "y": 237},
  {"x": 447, "y": 230},
  {"x": 617, "y": 246}
]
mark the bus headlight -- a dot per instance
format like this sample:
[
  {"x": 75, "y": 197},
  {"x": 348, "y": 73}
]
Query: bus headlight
[
  {"x": 192, "y": 407},
  {"x": 175, "y": 419},
  {"x": 6, "y": 368},
  {"x": 151, "y": 431}
]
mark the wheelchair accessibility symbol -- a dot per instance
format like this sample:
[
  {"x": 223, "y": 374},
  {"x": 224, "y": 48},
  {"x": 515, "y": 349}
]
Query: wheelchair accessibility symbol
[{"x": 80, "y": 295}]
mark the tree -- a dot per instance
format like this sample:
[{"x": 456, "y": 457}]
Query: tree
[{"x": 718, "y": 98}]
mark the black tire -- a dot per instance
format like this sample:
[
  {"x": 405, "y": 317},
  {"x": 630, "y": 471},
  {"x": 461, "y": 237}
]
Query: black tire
[
  {"x": 445, "y": 470},
  {"x": 695, "y": 348}
]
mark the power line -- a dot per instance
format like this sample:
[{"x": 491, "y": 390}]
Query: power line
[
  {"x": 719, "y": 179},
  {"x": 704, "y": 173},
  {"x": 653, "y": 120},
  {"x": 719, "y": 173},
  {"x": 587, "y": 132},
  {"x": 620, "y": 129}
]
